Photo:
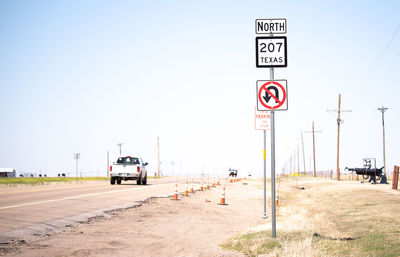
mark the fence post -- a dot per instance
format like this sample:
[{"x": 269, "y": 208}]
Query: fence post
[{"x": 395, "y": 177}]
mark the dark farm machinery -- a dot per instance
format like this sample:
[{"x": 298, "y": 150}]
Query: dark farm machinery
[{"x": 369, "y": 171}]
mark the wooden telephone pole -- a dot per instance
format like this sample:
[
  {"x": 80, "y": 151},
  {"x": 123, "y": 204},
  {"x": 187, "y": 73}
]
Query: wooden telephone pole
[
  {"x": 108, "y": 163},
  {"x": 158, "y": 152},
  {"x": 339, "y": 121},
  {"x": 313, "y": 139},
  {"x": 382, "y": 110},
  {"x": 304, "y": 158},
  {"x": 298, "y": 160},
  {"x": 338, "y": 134}
]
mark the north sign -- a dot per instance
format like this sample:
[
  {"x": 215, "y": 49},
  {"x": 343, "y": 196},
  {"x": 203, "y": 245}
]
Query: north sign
[
  {"x": 271, "y": 52},
  {"x": 272, "y": 95},
  {"x": 271, "y": 26}
]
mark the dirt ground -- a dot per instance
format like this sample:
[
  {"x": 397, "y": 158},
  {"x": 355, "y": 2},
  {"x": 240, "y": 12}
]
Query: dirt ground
[{"x": 192, "y": 226}]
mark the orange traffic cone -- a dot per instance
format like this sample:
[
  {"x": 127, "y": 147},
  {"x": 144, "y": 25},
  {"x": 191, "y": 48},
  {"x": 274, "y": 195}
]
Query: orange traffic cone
[
  {"x": 213, "y": 183},
  {"x": 277, "y": 198},
  {"x": 186, "y": 192},
  {"x": 208, "y": 184},
  {"x": 218, "y": 182},
  {"x": 175, "y": 196},
  {"x": 201, "y": 186},
  {"x": 191, "y": 188},
  {"x": 222, "y": 200}
]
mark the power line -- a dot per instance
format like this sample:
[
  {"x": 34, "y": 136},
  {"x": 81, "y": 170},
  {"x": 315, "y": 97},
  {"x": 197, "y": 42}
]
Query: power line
[
  {"x": 390, "y": 66},
  {"x": 379, "y": 59}
]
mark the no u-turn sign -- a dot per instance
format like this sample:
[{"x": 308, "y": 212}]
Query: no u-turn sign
[{"x": 272, "y": 95}]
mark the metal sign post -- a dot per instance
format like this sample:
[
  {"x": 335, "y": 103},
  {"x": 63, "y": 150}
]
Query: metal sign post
[
  {"x": 265, "y": 174},
  {"x": 271, "y": 75},
  {"x": 262, "y": 122}
]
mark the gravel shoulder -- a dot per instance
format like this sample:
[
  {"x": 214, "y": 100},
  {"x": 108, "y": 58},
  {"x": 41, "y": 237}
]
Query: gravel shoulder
[{"x": 192, "y": 226}]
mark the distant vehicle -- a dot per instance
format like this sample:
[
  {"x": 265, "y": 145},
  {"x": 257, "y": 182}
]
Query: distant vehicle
[
  {"x": 249, "y": 175},
  {"x": 128, "y": 168},
  {"x": 232, "y": 172}
]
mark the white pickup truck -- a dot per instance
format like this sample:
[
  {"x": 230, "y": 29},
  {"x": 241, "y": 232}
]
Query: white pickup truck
[{"x": 128, "y": 168}]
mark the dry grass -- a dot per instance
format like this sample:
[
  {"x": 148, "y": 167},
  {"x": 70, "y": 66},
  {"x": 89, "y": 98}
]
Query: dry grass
[
  {"x": 47, "y": 180},
  {"x": 328, "y": 218}
]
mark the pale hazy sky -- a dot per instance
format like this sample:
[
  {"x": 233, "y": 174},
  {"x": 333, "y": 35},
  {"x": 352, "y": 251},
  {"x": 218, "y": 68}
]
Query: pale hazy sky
[{"x": 86, "y": 75}]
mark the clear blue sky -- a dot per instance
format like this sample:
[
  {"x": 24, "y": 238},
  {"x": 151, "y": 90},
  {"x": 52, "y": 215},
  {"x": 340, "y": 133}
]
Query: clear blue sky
[{"x": 86, "y": 75}]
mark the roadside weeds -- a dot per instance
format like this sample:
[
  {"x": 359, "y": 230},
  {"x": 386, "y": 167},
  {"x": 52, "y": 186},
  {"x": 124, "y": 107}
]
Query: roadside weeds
[{"x": 328, "y": 219}]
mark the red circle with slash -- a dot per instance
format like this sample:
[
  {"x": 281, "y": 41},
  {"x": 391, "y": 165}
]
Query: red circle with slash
[{"x": 264, "y": 87}]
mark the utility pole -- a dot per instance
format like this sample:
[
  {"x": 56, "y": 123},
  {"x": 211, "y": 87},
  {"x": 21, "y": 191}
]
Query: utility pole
[
  {"x": 158, "y": 151},
  {"x": 338, "y": 134},
  {"x": 108, "y": 163},
  {"x": 382, "y": 110},
  {"x": 76, "y": 157},
  {"x": 304, "y": 159},
  {"x": 120, "y": 146},
  {"x": 339, "y": 121},
  {"x": 313, "y": 139},
  {"x": 298, "y": 160},
  {"x": 313, "y": 143},
  {"x": 172, "y": 164},
  {"x": 294, "y": 163}
]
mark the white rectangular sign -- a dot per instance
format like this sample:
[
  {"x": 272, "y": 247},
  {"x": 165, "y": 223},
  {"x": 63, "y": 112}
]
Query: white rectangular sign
[
  {"x": 271, "y": 52},
  {"x": 271, "y": 26},
  {"x": 262, "y": 120}
]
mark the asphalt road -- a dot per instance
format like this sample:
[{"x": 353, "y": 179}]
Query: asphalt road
[{"x": 35, "y": 210}]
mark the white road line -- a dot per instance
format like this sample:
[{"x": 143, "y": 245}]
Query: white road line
[{"x": 81, "y": 196}]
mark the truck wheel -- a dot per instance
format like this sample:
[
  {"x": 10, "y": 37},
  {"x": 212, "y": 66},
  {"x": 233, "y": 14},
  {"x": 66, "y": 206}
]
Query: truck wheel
[
  {"x": 139, "y": 181},
  {"x": 119, "y": 181},
  {"x": 112, "y": 181},
  {"x": 144, "y": 182}
]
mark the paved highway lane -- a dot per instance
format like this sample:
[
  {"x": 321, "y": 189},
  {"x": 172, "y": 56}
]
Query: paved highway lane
[{"x": 29, "y": 210}]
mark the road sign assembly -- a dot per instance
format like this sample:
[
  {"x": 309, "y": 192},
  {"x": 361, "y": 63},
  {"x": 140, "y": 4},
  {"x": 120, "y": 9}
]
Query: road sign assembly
[
  {"x": 271, "y": 52},
  {"x": 272, "y": 95}
]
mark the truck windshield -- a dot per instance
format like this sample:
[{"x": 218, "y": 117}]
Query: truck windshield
[{"x": 128, "y": 160}]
